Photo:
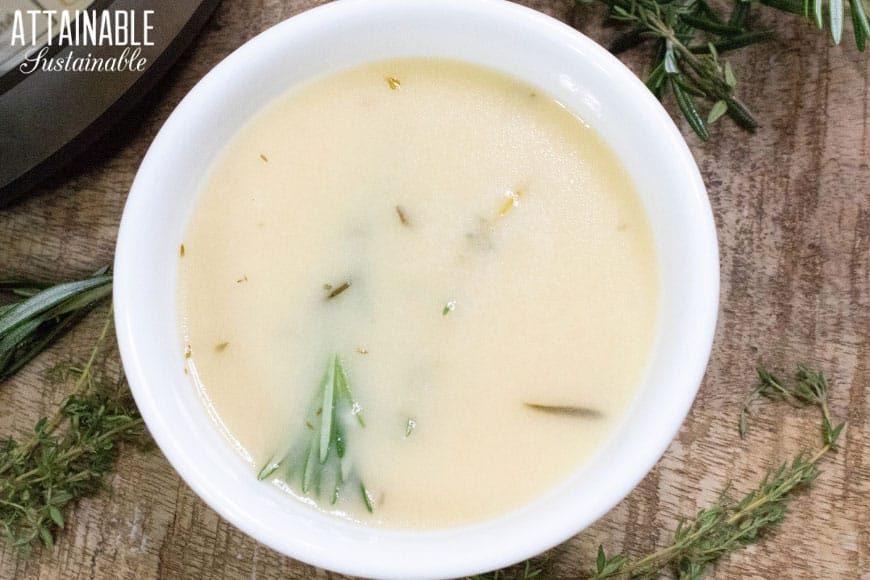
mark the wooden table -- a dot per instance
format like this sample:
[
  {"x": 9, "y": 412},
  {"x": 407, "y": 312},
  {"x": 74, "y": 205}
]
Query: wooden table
[{"x": 792, "y": 205}]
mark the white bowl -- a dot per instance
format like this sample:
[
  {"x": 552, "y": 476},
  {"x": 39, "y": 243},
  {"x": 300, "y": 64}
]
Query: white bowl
[{"x": 524, "y": 43}]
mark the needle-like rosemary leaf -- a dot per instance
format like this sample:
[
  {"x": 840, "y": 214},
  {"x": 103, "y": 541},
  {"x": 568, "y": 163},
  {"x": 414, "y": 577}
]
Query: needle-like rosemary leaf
[
  {"x": 318, "y": 457},
  {"x": 42, "y": 313},
  {"x": 689, "y": 35},
  {"x": 566, "y": 410}
]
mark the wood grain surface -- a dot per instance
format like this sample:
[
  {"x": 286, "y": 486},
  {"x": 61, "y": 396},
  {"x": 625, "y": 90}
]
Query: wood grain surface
[{"x": 792, "y": 206}]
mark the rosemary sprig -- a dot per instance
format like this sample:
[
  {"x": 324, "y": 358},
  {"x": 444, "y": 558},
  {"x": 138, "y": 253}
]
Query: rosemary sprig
[
  {"x": 41, "y": 313},
  {"x": 689, "y": 36},
  {"x": 67, "y": 455},
  {"x": 318, "y": 460}
]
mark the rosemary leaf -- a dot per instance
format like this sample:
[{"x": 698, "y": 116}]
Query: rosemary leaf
[
  {"x": 836, "y": 14},
  {"x": 719, "y": 109},
  {"x": 689, "y": 108},
  {"x": 860, "y": 23},
  {"x": 318, "y": 457},
  {"x": 44, "y": 312},
  {"x": 689, "y": 35},
  {"x": 565, "y": 410},
  {"x": 790, "y": 6},
  {"x": 328, "y": 409}
]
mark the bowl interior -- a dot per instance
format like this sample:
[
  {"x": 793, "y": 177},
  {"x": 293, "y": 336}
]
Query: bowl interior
[{"x": 518, "y": 41}]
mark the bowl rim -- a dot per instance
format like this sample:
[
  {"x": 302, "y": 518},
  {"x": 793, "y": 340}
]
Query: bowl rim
[{"x": 371, "y": 558}]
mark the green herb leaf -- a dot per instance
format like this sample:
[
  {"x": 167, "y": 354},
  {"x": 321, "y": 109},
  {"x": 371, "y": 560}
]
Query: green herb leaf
[
  {"x": 328, "y": 414},
  {"x": 367, "y": 498},
  {"x": 67, "y": 456},
  {"x": 719, "y": 109},
  {"x": 318, "y": 458},
  {"x": 566, "y": 410},
  {"x": 836, "y": 14},
  {"x": 728, "y": 525},
  {"x": 689, "y": 108},
  {"x": 28, "y": 326},
  {"x": 55, "y": 515},
  {"x": 689, "y": 35}
]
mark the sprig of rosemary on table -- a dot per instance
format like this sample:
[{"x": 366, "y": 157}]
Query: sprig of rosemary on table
[
  {"x": 41, "y": 313},
  {"x": 690, "y": 35},
  {"x": 67, "y": 455},
  {"x": 729, "y": 525},
  {"x": 318, "y": 459}
]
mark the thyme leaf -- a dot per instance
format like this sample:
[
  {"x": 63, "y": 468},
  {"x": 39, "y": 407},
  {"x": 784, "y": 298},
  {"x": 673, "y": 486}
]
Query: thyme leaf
[
  {"x": 67, "y": 455},
  {"x": 729, "y": 524}
]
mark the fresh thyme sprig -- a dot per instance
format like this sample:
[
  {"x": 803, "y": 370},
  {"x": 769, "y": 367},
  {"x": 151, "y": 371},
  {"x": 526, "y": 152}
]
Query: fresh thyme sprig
[
  {"x": 527, "y": 572},
  {"x": 318, "y": 460},
  {"x": 809, "y": 387},
  {"x": 729, "y": 524},
  {"x": 41, "y": 313},
  {"x": 67, "y": 455},
  {"x": 690, "y": 35}
]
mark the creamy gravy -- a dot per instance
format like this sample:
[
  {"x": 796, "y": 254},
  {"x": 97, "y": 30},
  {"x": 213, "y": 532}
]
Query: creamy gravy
[{"x": 499, "y": 262}]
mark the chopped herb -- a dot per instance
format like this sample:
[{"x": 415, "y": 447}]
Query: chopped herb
[
  {"x": 181, "y": 250},
  {"x": 410, "y": 425},
  {"x": 221, "y": 347},
  {"x": 512, "y": 201},
  {"x": 367, "y": 498},
  {"x": 394, "y": 83},
  {"x": 264, "y": 158},
  {"x": 448, "y": 308},
  {"x": 566, "y": 410},
  {"x": 336, "y": 291},
  {"x": 242, "y": 279},
  {"x": 188, "y": 352},
  {"x": 403, "y": 216},
  {"x": 268, "y": 470}
]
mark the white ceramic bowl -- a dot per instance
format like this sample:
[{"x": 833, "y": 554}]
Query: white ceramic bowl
[{"x": 547, "y": 54}]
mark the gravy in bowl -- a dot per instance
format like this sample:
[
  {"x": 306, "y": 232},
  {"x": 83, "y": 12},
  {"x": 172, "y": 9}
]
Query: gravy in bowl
[{"x": 417, "y": 293}]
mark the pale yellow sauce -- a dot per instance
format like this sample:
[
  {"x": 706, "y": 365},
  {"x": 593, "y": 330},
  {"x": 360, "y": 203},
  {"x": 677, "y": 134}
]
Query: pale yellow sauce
[{"x": 518, "y": 217}]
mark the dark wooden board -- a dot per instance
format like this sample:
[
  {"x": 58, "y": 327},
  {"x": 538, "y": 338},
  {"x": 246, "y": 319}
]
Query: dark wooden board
[{"x": 792, "y": 204}]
